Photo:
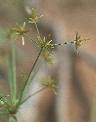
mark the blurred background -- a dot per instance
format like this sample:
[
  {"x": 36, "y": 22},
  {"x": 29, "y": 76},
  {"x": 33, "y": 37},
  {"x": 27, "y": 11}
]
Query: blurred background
[{"x": 76, "y": 74}]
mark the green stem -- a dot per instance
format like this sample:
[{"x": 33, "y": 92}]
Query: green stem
[
  {"x": 37, "y": 30},
  {"x": 40, "y": 90},
  {"x": 12, "y": 72},
  {"x": 31, "y": 71},
  {"x": 29, "y": 78},
  {"x": 13, "y": 119}
]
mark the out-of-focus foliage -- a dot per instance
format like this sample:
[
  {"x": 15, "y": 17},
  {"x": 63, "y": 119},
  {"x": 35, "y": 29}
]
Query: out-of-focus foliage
[
  {"x": 3, "y": 35},
  {"x": 11, "y": 9}
]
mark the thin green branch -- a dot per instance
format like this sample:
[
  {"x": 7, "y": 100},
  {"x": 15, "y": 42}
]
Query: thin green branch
[
  {"x": 12, "y": 73},
  {"x": 31, "y": 71},
  {"x": 37, "y": 30},
  {"x": 29, "y": 77},
  {"x": 35, "y": 93}
]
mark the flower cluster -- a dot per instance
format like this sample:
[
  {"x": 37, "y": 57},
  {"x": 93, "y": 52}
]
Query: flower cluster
[
  {"x": 78, "y": 41},
  {"x": 20, "y": 30},
  {"x": 34, "y": 18},
  {"x": 50, "y": 83}
]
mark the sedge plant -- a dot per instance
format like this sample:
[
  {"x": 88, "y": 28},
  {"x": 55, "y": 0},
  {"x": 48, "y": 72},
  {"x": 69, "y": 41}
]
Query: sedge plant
[{"x": 10, "y": 104}]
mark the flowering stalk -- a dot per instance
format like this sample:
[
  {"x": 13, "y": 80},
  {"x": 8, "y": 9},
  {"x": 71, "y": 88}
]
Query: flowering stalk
[
  {"x": 12, "y": 73},
  {"x": 29, "y": 78},
  {"x": 46, "y": 46},
  {"x": 38, "y": 91}
]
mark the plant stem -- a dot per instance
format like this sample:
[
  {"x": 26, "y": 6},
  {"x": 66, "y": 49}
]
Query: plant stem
[
  {"x": 13, "y": 119},
  {"x": 37, "y": 30},
  {"x": 12, "y": 72},
  {"x": 31, "y": 71},
  {"x": 29, "y": 77},
  {"x": 40, "y": 90}
]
